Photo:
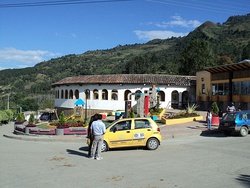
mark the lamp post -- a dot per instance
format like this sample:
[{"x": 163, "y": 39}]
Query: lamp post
[{"x": 86, "y": 104}]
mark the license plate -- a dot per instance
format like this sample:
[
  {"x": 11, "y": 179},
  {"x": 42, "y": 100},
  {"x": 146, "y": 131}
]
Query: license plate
[{"x": 226, "y": 124}]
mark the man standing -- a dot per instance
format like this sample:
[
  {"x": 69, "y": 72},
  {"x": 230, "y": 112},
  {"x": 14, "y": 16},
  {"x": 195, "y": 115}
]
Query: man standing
[
  {"x": 231, "y": 108},
  {"x": 98, "y": 129}
]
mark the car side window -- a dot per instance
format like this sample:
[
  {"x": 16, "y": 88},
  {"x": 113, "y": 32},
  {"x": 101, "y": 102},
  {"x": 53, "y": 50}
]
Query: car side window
[
  {"x": 248, "y": 116},
  {"x": 244, "y": 117},
  {"x": 121, "y": 126},
  {"x": 142, "y": 124}
]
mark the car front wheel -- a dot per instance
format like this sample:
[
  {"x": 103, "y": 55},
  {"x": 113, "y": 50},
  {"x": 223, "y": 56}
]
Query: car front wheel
[
  {"x": 243, "y": 131},
  {"x": 152, "y": 144}
]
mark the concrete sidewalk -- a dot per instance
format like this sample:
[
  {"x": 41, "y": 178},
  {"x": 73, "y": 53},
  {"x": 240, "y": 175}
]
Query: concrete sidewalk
[{"x": 194, "y": 128}]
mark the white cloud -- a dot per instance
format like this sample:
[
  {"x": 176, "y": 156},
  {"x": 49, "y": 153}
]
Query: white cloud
[
  {"x": 157, "y": 34},
  {"x": 14, "y": 58},
  {"x": 176, "y": 22},
  {"x": 179, "y": 21}
]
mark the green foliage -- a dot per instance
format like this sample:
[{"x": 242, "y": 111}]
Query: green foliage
[
  {"x": 214, "y": 108},
  {"x": 191, "y": 109},
  {"x": 156, "y": 111},
  {"x": 3, "y": 116},
  {"x": 10, "y": 114},
  {"x": 29, "y": 104},
  {"x": 31, "y": 119},
  {"x": 196, "y": 56},
  {"x": 20, "y": 117},
  {"x": 131, "y": 113},
  {"x": 61, "y": 120}
]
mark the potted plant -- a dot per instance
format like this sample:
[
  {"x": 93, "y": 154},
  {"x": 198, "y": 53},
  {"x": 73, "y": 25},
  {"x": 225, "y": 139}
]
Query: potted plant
[
  {"x": 30, "y": 123},
  {"x": 215, "y": 116},
  {"x": 61, "y": 124}
]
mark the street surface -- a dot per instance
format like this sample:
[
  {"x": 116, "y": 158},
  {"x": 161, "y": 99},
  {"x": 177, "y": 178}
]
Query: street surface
[{"x": 191, "y": 161}]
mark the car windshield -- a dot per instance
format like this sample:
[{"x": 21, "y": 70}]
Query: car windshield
[
  {"x": 108, "y": 125},
  {"x": 229, "y": 117}
]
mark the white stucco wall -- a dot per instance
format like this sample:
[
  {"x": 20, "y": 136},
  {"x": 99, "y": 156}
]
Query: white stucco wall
[{"x": 112, "y": 104}]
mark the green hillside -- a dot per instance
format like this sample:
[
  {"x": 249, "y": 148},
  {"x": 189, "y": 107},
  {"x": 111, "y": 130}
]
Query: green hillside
[{"x": 208, "y": 45}]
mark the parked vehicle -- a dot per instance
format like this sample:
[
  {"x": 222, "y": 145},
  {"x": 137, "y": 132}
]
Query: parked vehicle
[
  {"x": 236, "y": 122},
  {"x": 132, "y": 132},
  {"x": 48, "y": 116}
]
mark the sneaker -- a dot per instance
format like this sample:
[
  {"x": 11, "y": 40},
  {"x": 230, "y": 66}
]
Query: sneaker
[{"x": 99, "y": 158}]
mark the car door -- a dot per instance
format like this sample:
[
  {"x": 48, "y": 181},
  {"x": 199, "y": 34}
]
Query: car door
[
  {"x": 142, "y": 131},
  {"x": 120, "y": 134}
]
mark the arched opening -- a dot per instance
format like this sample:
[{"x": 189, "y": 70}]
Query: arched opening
[
  {"x": 95, "y": 94},
  {"x": 62, "y": 94},
  {"x": 71, "y": 94},
  {"x": 87, "y": 94},
  {"x": 66, "y": 94},
  {"x": 104, "y": 94},
  {"x": 114, "y": 95},
  {"x": 77, "y": 94},
  {"x": 175, "y": 99},
  {"x": 126, "y": 95},
  {"x": 161, "y": 95}
]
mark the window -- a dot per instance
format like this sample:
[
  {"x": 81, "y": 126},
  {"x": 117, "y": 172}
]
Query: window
[
  {"x": 142, "y": 124},
  {"x": 203, "y": 88},
  {"x": 236, "y": 88},
  {"x": 121, "y": 126}
]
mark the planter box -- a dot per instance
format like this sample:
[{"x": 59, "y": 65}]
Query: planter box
[
  {"x": 158, "y": 116},
  {"x": 180, "y": 120},
  {"x": 59, "y": 131}
]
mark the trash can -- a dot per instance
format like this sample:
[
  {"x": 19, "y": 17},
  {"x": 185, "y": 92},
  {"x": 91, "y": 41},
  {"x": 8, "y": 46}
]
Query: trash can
[{"x": 117, "y": 115}]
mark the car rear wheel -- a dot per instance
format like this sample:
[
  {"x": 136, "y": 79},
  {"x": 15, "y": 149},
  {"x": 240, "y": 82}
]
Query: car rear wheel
[
  {"x": 104, "y": 146},
  {"x": 152, "y": 144},
  {"x": 243, "y": 131}
]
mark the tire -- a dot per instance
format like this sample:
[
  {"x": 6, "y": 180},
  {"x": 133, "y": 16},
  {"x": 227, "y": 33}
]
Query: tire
[
  {"x": 243, "y": 131},
  {"x": 104, "y": 146},
  {"x": 152, "y": 144},
  {"x": 227, "y": 133}
]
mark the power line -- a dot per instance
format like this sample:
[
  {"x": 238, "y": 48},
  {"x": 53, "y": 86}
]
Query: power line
[
  {"x": 199, "y": 6},
  {"x": 53, "y": 3}
]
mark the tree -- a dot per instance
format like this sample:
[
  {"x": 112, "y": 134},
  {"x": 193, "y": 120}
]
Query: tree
[
  {"x": 196, "y": 56},
  {"x": 246, "y": 52}
]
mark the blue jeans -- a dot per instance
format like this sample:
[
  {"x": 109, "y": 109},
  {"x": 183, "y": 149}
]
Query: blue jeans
[{"x": 208, "y": 123}]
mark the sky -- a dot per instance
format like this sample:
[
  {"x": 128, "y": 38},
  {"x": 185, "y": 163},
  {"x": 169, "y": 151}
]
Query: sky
[{"x": 33, "y": 31}]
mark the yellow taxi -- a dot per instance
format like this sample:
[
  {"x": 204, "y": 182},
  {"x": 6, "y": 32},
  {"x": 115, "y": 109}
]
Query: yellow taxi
[{"x": 132, "y": 132}]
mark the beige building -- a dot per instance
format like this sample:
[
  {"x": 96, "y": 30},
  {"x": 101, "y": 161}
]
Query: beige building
[{"x": 224, "y": 84}]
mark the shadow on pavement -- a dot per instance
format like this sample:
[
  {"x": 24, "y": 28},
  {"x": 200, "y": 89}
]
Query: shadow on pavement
[
  {"x": 73, "y": 152},
  {"x": 212, "y": 133},
  {"x": 244, "y": 180}
]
